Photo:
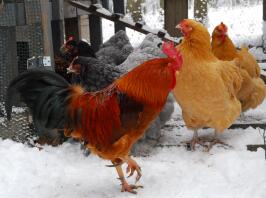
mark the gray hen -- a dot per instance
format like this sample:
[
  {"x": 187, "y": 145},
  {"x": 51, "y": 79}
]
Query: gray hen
[
  {"x": 115, "y": 50},
  {"x": 95, "y": 74}
]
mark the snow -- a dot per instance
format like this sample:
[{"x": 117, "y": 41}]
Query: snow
[
  {"x": 258, "y": 53},
  {"x": 244, "y": 30},
  {"x": 170, "y": 171}
]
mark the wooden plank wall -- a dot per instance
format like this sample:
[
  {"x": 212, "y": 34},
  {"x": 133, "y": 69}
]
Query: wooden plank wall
[
  {"x": 57, "y": 23},
  {"x": 47, "y": 29},
  {"x": 264, "y": 10},
  {"x": 175, "y": 11},
  {"x": 119, "y": 7}
]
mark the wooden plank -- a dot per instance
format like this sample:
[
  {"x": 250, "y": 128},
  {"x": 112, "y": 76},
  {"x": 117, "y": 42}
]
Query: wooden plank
[
  {"x": 103, "y": 13},
  {"x": 175, "y": 11},
  {"x": 264, "y": 27},
  {"x": 57, "y": 10},
  {"x": 57, "y": 35},
  {"x": 57, "y": 23},
  {"x": 72, "y": 27},
  {"x": 255, "y": 147},
  {"x": 264, "y": 10},
  {"x": 240, "y": 126},
  {"x": 105, "y": 4},
  {"x": 96, "y": 37},
  {"x": 20, "y": 14},
  {"x": 246, "y": 125},
  {"x": 84, "y": 30},
  {"x": 119, "y": 7},
  {"x": 47, "y": 29}
]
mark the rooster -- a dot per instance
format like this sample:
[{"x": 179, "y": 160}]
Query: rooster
[
  {"x": 110, "y": 121},
  {"x": 113, "y": 51},
  {"x": 206, "y": 87},
  {"x": 253, "y": 90},
  {"x": 96, "y": 74}
]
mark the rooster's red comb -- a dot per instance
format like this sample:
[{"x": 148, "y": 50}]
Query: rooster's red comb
[{"x": 170, "y": 50}]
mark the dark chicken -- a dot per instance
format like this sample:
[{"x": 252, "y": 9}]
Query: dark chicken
[{"x": 68, "y": 52}]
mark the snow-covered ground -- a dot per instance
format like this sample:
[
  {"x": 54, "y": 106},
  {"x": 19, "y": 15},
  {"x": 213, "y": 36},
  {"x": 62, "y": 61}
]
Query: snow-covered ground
[{"x": 170, "y": 171}]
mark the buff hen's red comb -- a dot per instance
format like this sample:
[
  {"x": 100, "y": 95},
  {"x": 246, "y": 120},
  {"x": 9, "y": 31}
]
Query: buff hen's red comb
[
  {"x": 173, "y": 53},
  {"x": 223, "y": 27}
]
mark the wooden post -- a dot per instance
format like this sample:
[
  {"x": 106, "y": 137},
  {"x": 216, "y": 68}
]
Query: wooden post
[
  {"x": 71, "y": 21},
  {"x": 105, "y": 4},
  {"x": 95, "y": 27},
  {"x": 84, "y": 30},
  {"x": 58, "y": 30},
  {"x": 47, "y": 29},
  {"x": 20, "y": 14},
  {"x": 119, "y": 7},
  {"x": 96, "y": 37},
  {"x": 72, "y": 27},
  {"x": 264, "y": 27},
  {"x": 264, "y": 10},
  {"x": 175, "y": 11}
]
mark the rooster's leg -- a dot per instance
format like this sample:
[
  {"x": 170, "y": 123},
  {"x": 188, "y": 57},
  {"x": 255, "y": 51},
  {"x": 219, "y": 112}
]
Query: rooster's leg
[
  {"x": 125, "y": 186},
  {"x": 132, "y": 167}
]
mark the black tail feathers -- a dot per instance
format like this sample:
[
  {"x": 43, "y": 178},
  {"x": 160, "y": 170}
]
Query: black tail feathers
[{"x": 44, "y": 92}]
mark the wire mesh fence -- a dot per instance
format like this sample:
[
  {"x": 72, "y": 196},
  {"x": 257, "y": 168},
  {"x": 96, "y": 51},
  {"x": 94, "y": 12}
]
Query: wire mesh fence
[{"x": 21, "y": 37}]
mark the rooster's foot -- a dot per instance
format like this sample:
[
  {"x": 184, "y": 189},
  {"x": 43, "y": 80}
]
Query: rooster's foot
[
  {"x": 132, "y": 167},
  {"x": 130, "y": 188}
]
